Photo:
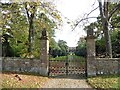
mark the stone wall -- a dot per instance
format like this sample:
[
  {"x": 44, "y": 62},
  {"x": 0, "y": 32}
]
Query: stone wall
[
  {"x": 107, "y": 65},
  {"x": 102, "y": 65},
  {"x": 22, "y": 65}
]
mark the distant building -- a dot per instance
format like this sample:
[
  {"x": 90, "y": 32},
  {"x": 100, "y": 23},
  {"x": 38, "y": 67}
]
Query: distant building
[{"x": 72, "y": 49}]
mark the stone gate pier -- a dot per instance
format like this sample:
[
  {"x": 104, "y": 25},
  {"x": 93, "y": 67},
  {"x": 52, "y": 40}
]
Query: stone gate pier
[
  {"x": 99, "y": 66},
  {"x": 90, "y": 42},
  {"x": 44, "y": 53}
]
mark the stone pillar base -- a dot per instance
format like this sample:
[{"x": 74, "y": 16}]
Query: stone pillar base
[
  {"x": 91, "y": 72},
  {"x": 44, "y": 71},
  {"x": 91, "y": 67}
]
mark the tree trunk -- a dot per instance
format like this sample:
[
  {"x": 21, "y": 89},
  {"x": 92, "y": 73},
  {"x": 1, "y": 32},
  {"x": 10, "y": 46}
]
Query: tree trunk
[
  {"x": 31, "y": 34},
  {"x": 106, "y": 31},
  {"x": 107, "y": 40},
  {"x": 104, "y": 17},
  {"x": 30, "y": 16}
]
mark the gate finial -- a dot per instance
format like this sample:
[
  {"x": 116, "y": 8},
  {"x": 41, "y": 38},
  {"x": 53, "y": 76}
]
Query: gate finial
[
  {"x": 90, "y": 32},
  {"x": 44, "y": 34}
]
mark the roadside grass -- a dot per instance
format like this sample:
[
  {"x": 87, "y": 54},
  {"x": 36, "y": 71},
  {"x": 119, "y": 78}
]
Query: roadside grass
[
  {"x": 105, "y": 81},
  {"x": 9, "y": 80}
]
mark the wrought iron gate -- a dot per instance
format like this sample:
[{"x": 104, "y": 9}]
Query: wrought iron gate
[{"x": 67, "y": 67}]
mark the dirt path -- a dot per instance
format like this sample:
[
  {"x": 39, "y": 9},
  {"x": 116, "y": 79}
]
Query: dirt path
[{"x": 66, "y": 83}]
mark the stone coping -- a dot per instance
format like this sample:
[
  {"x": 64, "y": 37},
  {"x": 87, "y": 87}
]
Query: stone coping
[
  {"x": 108, "y": 59},
  {"x": 17, "y": 58}
]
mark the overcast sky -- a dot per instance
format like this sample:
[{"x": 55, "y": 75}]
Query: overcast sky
[{"x": 72, "y": 9}]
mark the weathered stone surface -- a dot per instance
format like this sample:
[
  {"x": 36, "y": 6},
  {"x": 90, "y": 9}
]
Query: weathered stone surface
[
  {"x": 22, "y": 65},
  {"x": 44, "y": 55},
  {"x": 107, "y": 65},
  {"x": 101, "y": 66},
  {"x": 91, "y": 68}
]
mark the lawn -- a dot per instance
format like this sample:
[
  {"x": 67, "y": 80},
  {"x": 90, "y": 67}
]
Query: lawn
[
  {"x": 59, "y": 58},
  {"x": 105, "y": 81},
  {"x": 81, "y": 59},
  {"x": 13, "y": 80}
]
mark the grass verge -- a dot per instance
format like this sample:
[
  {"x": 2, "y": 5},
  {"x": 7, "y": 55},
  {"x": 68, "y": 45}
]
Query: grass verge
[
  {"x": 10, "y": 80},
  {"x": 105, "y": 82}
]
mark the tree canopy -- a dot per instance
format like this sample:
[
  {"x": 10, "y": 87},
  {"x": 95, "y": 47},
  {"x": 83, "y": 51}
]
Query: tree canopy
[{"x": 24, "y": 21}]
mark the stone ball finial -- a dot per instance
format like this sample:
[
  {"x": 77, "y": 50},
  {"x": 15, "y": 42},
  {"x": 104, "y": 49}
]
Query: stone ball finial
[
  {"x": 44, "y": 34},
  {"x": 90, "y": 32}
]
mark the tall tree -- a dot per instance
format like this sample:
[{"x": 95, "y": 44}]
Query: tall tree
[
  {"x": 64, "y": 48},
  {"x": 30, "y": 11},
  {"x": 105, "y": 17},
  {"x": 23, "y": 26},
  {"x": 32, "y": 8},
  {"x": 16, "y": 25},
  {"x": 107, "y": 12},
  {"x": 81, "y": 49}
]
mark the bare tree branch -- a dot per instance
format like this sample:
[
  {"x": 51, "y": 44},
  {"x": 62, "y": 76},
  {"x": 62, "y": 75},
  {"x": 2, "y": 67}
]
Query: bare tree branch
[
  {"x": 81, "y": 21},
  {"x": 27, "y": 11},
  {"x": 94, "y": 3},
  {"x": 86, "y": 17},
  {"x": 101, "y": 9},
  {"x": 92, "y": 11}
]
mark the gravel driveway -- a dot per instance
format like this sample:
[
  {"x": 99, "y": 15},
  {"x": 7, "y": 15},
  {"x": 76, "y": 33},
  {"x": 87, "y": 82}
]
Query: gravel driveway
[{"x": 66, "y": 83}]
